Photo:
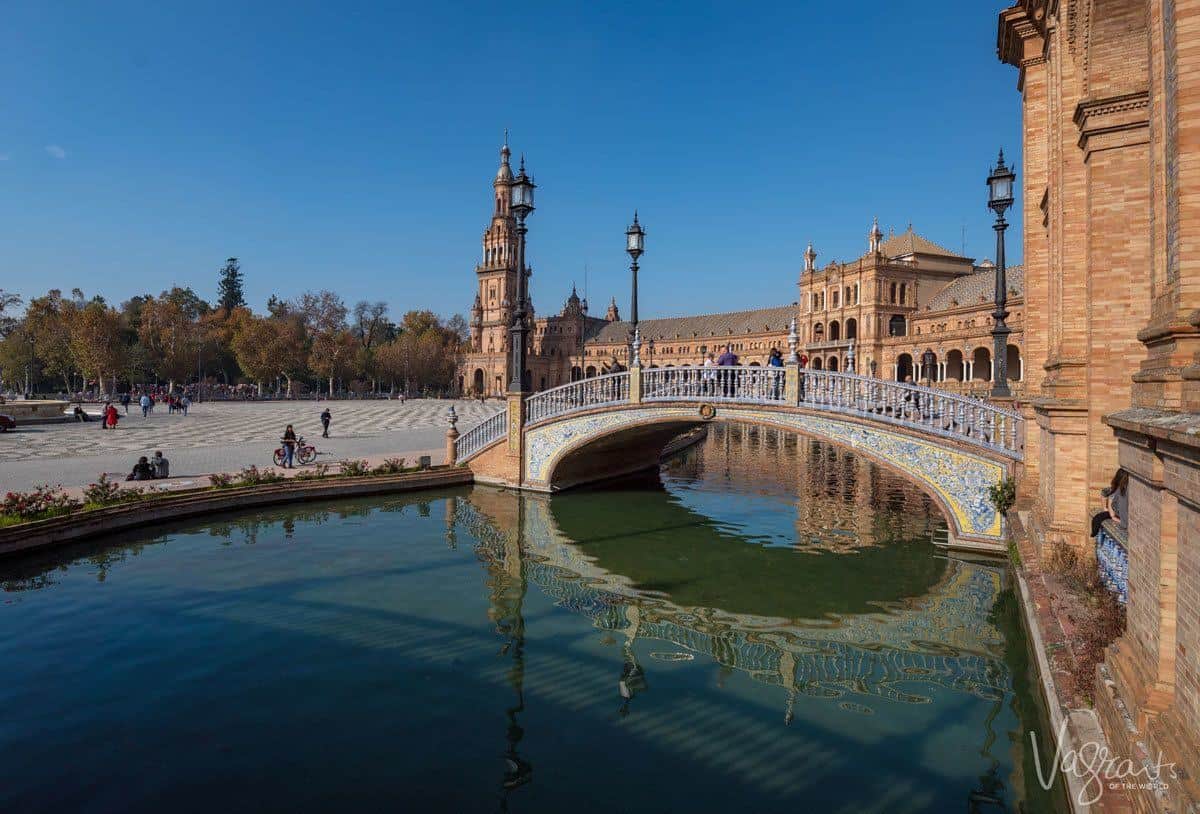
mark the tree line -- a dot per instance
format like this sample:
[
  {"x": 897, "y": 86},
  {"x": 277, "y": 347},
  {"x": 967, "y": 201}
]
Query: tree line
[{"x": 314, "y": 341}]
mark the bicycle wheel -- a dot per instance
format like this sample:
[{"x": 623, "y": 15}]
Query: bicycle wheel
[
  {"x": 308, "y": 454},
  {"x": 279, "y": 458}
]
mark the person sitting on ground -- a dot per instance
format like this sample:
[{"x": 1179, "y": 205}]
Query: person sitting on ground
[
  {"x": 80, "y": 413},
  {"x": 141, "y": 470},
  {"x": 161, "y": 466}
]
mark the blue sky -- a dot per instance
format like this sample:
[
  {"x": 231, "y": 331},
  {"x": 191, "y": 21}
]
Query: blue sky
[{"x": 351, "y": 145}]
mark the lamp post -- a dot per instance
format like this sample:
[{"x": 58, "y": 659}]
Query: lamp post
[
  {"x": 521, "y": 203},
  {"x": 1000, "y": 198},
  {"x": 635, "y": 244},
  {"x": 29, "y": 380},
  {"x": 650, "y": 345}
]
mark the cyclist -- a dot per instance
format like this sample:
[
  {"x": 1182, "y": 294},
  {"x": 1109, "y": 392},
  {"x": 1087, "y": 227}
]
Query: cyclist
[{"x": 289, "y": 446}]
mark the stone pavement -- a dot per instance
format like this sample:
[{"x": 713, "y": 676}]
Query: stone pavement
[{"x": 223, "y": 436}]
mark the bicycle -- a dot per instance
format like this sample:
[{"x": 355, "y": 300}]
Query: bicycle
[{"x": 305, "y": 453}]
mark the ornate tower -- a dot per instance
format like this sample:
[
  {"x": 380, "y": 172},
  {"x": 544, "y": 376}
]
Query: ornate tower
[
  {"x": 497, "y": 273},
  {"x": 874, "y": 238}
]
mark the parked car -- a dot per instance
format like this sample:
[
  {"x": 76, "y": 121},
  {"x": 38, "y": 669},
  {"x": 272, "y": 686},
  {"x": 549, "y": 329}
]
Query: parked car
[{"x": 7, "y": 423}]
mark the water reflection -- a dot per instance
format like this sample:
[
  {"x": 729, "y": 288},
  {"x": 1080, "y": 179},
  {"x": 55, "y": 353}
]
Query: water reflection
[{"x": 768, "y": 623}]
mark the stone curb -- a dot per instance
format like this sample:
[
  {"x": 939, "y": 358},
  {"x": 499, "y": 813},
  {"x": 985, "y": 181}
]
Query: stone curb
[{"x": 84, "y": 525}]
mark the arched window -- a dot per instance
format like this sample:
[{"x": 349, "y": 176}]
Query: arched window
[
  {"x": 852, "y": 328},
  {"x": 893, "y": 297},
  {"x": 903, "y": 293},
  {"x": 835, "y": 331},
  {"x": 897, "y": 325}
]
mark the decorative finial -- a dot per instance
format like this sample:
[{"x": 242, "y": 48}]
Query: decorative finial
[
  {"x": 453, "y": 416},
  {"x": 522, "y": 162},
  {"x": 637, "y": 347},
  {"x": 793, "y": 340},
  {"x": 635, "y": 217}
]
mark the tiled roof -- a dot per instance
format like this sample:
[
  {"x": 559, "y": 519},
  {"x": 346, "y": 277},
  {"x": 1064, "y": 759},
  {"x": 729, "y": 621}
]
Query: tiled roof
[
  {"x": 732, "y": 323},
  {"x": 910, "y": 242},
  {"x": 972, "y": 289}
]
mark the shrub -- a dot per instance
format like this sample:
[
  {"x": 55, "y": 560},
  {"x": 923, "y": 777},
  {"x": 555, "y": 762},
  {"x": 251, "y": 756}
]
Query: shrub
[
  {"x": 354, "y": 469},
  {"x": 253, "y": 476},
  {"x": 1003, "y": 495},
  {"x": 220, "y": 480},
  {"x": 1095, "y": 633},
  {"x": 1063, "y": 559},
  {"x": 44, "y": 500},
  {"x": 390, "y": 466},
  {"x": 103, "y": 491},
  {"x": 316, "y": 473}
]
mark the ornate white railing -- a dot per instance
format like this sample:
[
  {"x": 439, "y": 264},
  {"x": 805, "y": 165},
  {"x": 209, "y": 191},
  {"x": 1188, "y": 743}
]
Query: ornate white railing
[
  {"x": 611, "y": 388},
  {"x": 934, "y": 411},
  {"x": 757, "y": 385},
  {"x": 480, "y": 436}
]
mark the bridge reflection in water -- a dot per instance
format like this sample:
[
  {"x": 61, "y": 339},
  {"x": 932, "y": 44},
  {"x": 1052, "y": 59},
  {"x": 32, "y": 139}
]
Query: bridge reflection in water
[
  {"x": 767, "y": 624},
  {"x": 851, "y": 606}
]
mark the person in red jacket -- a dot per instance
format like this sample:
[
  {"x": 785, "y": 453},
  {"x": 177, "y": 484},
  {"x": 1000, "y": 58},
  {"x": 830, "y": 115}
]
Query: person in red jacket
[{"x": 110, "y": 416}]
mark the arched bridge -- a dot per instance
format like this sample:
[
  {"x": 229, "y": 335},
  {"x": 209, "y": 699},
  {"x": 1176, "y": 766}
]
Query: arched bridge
[{"x": 953, "y": 447}]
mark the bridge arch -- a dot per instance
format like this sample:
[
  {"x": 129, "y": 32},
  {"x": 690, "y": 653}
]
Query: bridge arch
[{"x": 574, "y": 450}]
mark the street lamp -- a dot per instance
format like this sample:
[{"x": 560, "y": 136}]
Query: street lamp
[
  {"x": 635, "y": 244},
  {"x": 521, "y": 203},
  {"x": 651, "y": 346},
  {"x": 1000, "y": 198}
]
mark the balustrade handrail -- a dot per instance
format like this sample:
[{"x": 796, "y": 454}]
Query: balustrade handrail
[
  {"x": 598, "y": 391},
  {"x": 746, "y": 384},
  {"x": 480, "y": 436}
]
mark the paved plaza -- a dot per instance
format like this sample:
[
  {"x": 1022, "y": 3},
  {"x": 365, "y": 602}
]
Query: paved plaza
[{"x": 224, "y": 436}]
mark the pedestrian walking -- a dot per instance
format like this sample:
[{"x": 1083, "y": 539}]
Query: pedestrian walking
[
  {"x": 144, "y": 401},
  {"x": 184, "y": 403},
  {"x": 125, "y": 402},
  {"x": 110, "y": 415},
  {"x": 326, "y": 417}
]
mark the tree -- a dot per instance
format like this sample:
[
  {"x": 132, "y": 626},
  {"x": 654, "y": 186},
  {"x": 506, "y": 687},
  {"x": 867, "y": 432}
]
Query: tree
[
  {"x": 333, "y": 355},
  {"x": 8, "y": 322},
  {"x": 47, "y": 328},
  {"x": 371, "y": 328},
  {"x": 96, "y": 342},
  {"x": 169, "y": 331},
  {"x": 229, "y": 289},
  {"x": 267, "y": 347}
]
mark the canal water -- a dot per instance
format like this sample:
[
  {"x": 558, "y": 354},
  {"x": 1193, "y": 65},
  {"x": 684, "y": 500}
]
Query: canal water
[{"x": 765, "y": 626}]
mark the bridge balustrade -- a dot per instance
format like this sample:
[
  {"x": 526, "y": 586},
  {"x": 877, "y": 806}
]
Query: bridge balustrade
[
  {"x": 599, "y": 391},
  {"x": 934, "y": 411},
  {"x": 475, "y": 439},
  {"x": 752, "y": 385}
]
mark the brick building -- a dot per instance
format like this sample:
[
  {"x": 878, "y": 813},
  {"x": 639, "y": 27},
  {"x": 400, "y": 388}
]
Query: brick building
[
  {"x": 907, "y": 307},
  {"x": 1111, "y": 173}
]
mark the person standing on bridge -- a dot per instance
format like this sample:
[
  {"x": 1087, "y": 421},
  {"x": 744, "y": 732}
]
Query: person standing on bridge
[
  {"x": 775, "y": 360},
  {"x": 727, "y": 359}
]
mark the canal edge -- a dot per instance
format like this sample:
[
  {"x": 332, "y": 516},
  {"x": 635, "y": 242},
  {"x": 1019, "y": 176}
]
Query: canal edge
[{"x": 1081, "y": 725}]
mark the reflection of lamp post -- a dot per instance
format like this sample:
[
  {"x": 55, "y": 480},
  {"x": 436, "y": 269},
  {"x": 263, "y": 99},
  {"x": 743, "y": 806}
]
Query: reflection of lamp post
[
  {"x": 635, "y": 244},
  {"x": 650, "y": 345},
  {"x": 1000, "y": 198},
  {"x": 521, "y": 203}
]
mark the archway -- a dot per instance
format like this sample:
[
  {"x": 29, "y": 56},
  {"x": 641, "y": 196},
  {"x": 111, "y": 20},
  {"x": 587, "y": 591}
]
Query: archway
[
  {"x": 897, "y": 326},
  {"x": 818, "y": 332},
  {"x": 981, "y": 365},
  {"x": 590, "y": 373},
  {"x": 904, "y": 367},
  {"x": 833, "y": 363},
  {"x": 816, "y": 363},
  {"x": 955, "y": 370},
  {"x": 929, "y": 365},
  {"x": 477, "y": 382},
  {"x": 835, "y": 331},
  {"x": 1013, "y": 360},
  {"x": 576, "y": 373},
  {"x": 852, "y": 328}
]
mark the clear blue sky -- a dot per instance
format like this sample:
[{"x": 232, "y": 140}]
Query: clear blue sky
[{"x": 351, "y": 145}]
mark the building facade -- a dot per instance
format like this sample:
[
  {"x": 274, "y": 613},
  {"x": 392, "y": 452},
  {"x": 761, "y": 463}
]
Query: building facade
[
  {"x": 1110, "y": 91},
  {"x": 906, "y": 308}
]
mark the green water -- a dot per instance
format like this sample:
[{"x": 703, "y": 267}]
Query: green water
[{"x": 767, "y": 627}]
